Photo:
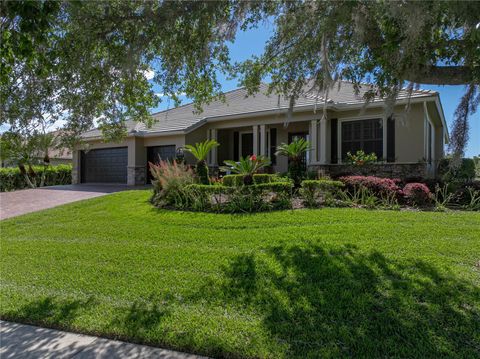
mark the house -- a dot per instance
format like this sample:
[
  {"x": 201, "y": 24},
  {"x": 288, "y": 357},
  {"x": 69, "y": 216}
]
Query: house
[{"x": 410, "y": 143}]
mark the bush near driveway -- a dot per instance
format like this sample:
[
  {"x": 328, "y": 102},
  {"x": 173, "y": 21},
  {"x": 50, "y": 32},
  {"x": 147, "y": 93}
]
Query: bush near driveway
[
  {"x": 331, "y": 282},
  {"x": 11, "y": 179}
]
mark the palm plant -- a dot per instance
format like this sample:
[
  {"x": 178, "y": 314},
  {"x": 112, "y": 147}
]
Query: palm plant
[
  {"x": 295, "y": 152},
  {"x": 248, "y": 166},
  {"x": 200, "y": 152}
]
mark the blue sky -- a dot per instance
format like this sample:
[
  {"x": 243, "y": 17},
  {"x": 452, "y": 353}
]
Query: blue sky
[{"x": 253, "y": 41}]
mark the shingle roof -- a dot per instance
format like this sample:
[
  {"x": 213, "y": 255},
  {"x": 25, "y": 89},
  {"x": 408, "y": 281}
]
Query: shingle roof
[{"x": 237, "y": 102}]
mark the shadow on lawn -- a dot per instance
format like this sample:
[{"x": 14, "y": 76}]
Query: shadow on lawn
[{"x": 346, "y": 303}]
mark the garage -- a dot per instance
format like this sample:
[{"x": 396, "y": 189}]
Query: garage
[{"x": 106, "y": 165}]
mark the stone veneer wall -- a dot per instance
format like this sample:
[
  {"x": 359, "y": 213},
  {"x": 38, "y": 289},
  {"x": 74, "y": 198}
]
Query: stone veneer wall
[
  {"x": 391, "y": 170},
  {"x": 136, "y": 175}
]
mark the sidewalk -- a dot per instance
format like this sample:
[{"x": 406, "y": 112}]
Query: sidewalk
[{"x": 26, "y": 341}]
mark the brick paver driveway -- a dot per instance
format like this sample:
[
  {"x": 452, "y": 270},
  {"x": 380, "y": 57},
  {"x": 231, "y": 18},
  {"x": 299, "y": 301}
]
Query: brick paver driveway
[{"x": 31, "y": 200}]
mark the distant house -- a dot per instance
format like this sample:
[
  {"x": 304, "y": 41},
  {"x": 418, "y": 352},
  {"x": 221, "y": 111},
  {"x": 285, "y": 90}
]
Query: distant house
[{"x": 409, "y": 143}]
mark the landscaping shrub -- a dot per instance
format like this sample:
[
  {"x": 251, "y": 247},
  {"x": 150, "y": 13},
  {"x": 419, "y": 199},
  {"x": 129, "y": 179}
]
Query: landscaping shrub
[
  {"x": 313, "y": 191},
  {"x": 295, "y": 152},
  {"x": 247, "y": 167},
  {"x": 233, "y": 180},
  {"x": 169, "y": 182},
  {"x": 464, "y": 173},
  {"x": 11, "y": 179},
  {"x": 417, "y": 194},
  {"x": 237, "y": 180},
  {"x": 461, "y": 192},
  {"x": 360, "y": 158},
  {"x": 254, "y": 198},
  {"x": 200, "y": 152},
  {"x": 379, "y": 186},
  {"x": 359, "y": 196}
]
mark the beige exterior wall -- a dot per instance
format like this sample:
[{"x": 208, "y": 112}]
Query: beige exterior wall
[{"x": 410, "y": 146}]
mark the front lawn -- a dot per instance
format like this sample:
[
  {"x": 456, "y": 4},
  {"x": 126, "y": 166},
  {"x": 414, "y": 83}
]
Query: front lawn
[{"x": 307, "y": 283}]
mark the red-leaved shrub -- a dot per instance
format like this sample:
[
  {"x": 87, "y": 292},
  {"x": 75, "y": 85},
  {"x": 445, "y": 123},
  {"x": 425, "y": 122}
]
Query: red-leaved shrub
[
  {"x": 379, "y": 186},
  {"x": 417, "y": 194}
]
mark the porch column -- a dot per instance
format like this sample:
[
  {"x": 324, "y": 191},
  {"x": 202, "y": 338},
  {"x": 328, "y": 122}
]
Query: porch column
[
  {"x": 313, "y": 141},
  {"x": 255, "y": 140},
  {"x": 212, "y": 155},
  {"x": 263, "y": 140},
  {"x": 323, "y": 141},
  {"x": 214, "y": 150}
]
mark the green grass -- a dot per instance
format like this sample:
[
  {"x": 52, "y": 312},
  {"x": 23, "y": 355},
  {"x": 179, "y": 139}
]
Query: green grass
[{"x": 306, "y": 283}]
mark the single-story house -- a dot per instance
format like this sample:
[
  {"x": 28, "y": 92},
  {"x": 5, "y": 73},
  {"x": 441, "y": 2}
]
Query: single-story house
[{"x": 409, "y": 143}]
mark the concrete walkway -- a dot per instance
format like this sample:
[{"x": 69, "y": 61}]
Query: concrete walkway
[
  {"x": 31, "y": 200},
  {"x": 25, "y": 341}
]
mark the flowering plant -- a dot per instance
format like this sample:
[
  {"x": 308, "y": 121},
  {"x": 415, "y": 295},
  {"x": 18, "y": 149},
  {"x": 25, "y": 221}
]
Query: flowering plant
[
  {"x": 379, "y": 186},
  {"x": 360, "y": 158},
  {"x": 417, "y": 194}
]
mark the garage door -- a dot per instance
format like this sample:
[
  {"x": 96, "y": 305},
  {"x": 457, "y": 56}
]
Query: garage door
[{"x": 106, "y": 165}]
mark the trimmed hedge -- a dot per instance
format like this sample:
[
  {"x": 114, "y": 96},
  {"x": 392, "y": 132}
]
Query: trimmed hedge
[
  {"x": 284, "y": 187},
  {"x": 322, "y": 185},
  {"x": 259, "y": 178},
  {"x": 11, "y": 179}
]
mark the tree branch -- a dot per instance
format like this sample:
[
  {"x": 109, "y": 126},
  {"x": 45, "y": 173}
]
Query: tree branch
[{"x": 441, "y": 75}]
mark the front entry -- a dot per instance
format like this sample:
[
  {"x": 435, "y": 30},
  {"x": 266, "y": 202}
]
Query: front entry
[{"x": 246, "y": 144}]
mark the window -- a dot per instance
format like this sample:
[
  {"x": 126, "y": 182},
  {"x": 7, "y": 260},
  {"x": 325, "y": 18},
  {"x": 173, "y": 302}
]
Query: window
[{"x": 366, "y": 135}]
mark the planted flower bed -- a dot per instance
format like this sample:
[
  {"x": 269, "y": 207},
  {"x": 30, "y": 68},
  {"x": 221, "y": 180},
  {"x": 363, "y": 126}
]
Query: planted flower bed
[{"x": 177, "y": 186}]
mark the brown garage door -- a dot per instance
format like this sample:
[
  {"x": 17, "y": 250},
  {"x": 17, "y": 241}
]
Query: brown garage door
[{"x": 106, "y": 165}]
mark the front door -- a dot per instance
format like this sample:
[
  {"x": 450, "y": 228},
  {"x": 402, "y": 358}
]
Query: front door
[{"x": 246, "y": 144}]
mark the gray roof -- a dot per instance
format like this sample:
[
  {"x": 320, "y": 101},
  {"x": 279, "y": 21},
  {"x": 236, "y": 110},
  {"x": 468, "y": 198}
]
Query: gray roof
[{"x": 185, "y": 118}]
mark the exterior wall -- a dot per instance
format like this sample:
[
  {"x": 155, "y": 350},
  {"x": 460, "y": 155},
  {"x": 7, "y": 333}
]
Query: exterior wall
[
  {"x": 196, "y": 136},
  {"x": 410, "y": 138},
  {"x": 409, "y": 129}
]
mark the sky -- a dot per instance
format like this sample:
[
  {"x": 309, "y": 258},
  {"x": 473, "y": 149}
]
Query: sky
[{"x": 252, "y": 42}]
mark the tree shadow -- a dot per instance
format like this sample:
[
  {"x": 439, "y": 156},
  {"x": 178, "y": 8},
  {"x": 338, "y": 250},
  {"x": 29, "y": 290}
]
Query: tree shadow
[
  {"x": 50, "y": 310},
  {"x": 343, "y": 302}
]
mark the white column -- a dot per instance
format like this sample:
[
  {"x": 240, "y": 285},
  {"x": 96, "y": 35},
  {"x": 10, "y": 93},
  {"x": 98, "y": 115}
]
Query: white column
[
  {"x": 323, "y": 141},
  {"x": 263, "y": 140},
  {"x": 255, "y": 140},
  {"x": 213, "y": 152},
  {"x": 313, "y": 141}
]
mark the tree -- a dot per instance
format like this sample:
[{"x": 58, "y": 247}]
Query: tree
[
  {"x": 27, "y": 151},
  {"x": 200, "y": 152},
  {"x": 92, "y": 56},
  {"x": 388, "y": 44},
  {"x": 96, "y": 53},
  {"x": 295, "y": 152}
]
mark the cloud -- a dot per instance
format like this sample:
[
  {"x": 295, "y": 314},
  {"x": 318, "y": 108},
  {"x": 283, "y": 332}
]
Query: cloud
[
  {"x": 149, "y": 74},
  {"x": 161, "y": 94}
]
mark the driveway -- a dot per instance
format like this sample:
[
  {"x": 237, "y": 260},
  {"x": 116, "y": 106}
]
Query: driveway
[{"x": 31, "y": 200}]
